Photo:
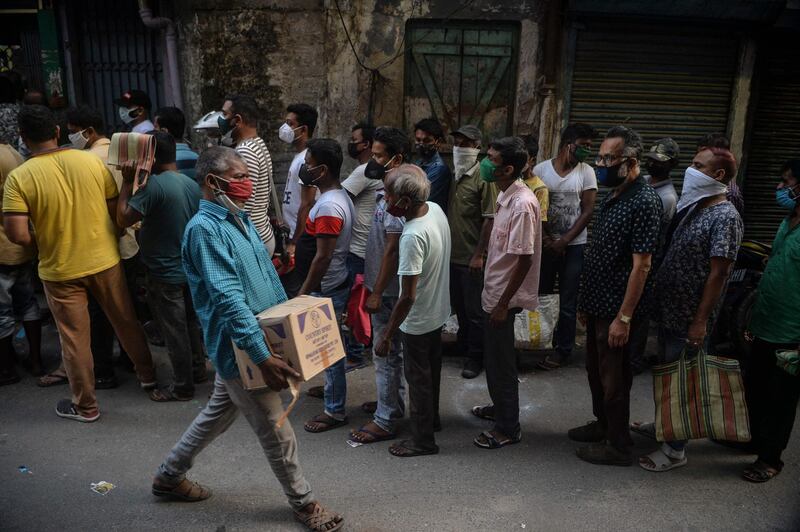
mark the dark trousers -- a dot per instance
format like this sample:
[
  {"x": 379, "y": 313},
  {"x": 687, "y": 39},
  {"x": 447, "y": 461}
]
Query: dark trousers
[
  {"x": 567, "y": 269},
  {"x": 500, "y": 362},
  {"x": 102, "y": 333},
  {"x": 423, "y": 369},
  {"x": 610, "y": 380},
  {"x": 772, "y": 397},
  {"x": 465, "y": 298},
  {"x": 292, "y": 283},
  {"x": 171, "y": 305}
]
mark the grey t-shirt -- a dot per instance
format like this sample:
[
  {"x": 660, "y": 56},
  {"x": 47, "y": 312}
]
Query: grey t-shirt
[
  {"x": 669, "y": 197},
  {"x": 382, "y": 223}
]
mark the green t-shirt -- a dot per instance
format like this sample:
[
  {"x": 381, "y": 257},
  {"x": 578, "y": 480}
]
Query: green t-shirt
[
  {"x": 776, "y": 315},
  {"x": 471, "y": 201},
  {"x": 167, "y": 203}
]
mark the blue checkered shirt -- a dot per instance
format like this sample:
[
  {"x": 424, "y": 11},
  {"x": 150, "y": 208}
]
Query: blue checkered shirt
[{"x": 232, "y": 279}]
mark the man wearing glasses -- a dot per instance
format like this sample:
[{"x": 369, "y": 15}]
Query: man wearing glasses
[{"x": 615, "y": 271}]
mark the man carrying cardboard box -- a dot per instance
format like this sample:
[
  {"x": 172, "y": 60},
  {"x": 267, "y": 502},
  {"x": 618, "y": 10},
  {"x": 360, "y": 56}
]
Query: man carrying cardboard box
[{"x": 232, "y": 279}]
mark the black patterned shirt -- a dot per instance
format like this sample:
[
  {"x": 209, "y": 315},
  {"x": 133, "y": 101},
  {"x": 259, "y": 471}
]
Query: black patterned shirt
[{"x": 626, "y": 225}]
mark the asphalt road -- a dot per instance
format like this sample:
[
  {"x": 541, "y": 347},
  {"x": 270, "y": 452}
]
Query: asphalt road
[{"x": 536, "y": 485}]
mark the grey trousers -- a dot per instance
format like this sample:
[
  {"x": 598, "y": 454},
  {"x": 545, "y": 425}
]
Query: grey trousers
[{"x": 261, "y": 408}]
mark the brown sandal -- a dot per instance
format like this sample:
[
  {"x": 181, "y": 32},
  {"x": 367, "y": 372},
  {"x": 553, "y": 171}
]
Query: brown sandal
[
  {"x": 51, "y": 379},
  {"x": 186, "y": 490},
  {"x": 320, "y": 519},
  {"x": 165, "y": 396}
]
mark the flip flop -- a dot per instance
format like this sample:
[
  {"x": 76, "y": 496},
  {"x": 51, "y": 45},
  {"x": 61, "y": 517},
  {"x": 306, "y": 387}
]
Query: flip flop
[
  {"x": 326, "y": 423},
  {"x": 648, "y": 430},
  {"x": 487, "y": 440},
  {"x": 375, "y": 438},
  {"x": 406, "y": 449},
  {"x": 165, "y": 396},
  {"x": 51, "y": 379},
  {"x": 547, "y": 364},
  {"x": 660, "y": 462}
]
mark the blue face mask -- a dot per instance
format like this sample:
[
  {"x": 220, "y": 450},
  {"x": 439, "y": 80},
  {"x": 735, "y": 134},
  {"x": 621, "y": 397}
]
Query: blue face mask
[{"x": 785, "y": 198}]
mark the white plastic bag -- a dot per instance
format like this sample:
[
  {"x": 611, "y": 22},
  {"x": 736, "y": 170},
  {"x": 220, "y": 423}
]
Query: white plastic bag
[{"x": 534, "y": 330}]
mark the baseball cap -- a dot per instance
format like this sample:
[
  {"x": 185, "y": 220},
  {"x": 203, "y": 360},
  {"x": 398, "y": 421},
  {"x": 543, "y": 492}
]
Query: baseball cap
[
  {"x": 133, "y": 98},
  {"x": 471, "y": 132},
  {"x": 664, "y": 150}
]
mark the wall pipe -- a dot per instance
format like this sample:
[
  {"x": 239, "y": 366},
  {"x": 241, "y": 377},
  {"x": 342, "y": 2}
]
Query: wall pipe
[{"x": 171, "y": 38}]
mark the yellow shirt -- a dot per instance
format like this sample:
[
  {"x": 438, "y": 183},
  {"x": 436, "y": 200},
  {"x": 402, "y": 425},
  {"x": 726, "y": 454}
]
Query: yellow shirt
[
  {"x": 538, "y": 187},
  {"x": 64, "y": 193},
  {"x": 11, "y": 254},
  {"x": 128, "y": 247}
]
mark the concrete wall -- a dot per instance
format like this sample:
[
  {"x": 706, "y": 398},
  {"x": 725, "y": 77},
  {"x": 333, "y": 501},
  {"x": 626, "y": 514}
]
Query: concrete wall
[{"x": 285, "y": 51}]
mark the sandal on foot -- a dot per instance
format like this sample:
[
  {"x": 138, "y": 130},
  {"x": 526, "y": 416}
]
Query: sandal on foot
[
  {"x": 648, "y": 430},
  {"x": 322, "y": 423},
  {"x": 51, "y": 379},
  {"x": 483, "y": 412},
  {"x": 370, "y": 407},
  {"x": 760, "y": 472},
  {"x": 371, "y": 436},
  {"x": 495, "y": 440},
  {"x": 406, "y": 449},
  {"x": 316, "y": 391},
  {"x": 186, "y": 490},
  {"x": 548, "y": 364},
  {"x": 320, "y": 519},
  {"x": 165, "y": 396},
  {"x": 658, "y": 462}
]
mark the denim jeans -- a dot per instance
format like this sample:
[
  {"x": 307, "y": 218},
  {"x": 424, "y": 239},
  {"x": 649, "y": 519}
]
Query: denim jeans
[
  {"x": 17, "y": 297},
  {"x": 500, "y": 362},
  {"x": 171, "y": 306},
  {"x": 261, "y": 408},
  {"x": 567, "y": 269},
  {"x": 354, "y": 349},
  {"x": 465, "y": 297},
  {"x": 389, "y": 379},
  {"x": 670, "y": 346},
  {"x": 335, "y": 380}
]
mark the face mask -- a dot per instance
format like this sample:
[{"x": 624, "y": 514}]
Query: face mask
[
  {"x": 239, "y": 190},
  {"x": 376, "y": 170},
  {"x": 286, "y": 133},
  {"x": 426, "y": 151},
  {"x": 78, "y": 140},
  {"x": 395, "y": 210},
  {"x": 224, "y": 125},
  {"x": 353, "y": 151},
  {"x": 305, "y": 175},
  {"x": 608, "y": 176},
  {"x": 785, "y": 198},
  {"x": 658, "y": 170},
  {"x": 488, "y": 169},
  {"x": 464, "y": 159},
  {"x": 697, "y": 186},
  {"x": 227, "y": 140},
  {"x": 125, "y": 115},
  {"x": 581, "y": 153}
]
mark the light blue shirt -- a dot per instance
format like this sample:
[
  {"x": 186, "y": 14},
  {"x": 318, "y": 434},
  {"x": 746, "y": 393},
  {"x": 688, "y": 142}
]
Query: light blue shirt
[{"x": 231, "y": 279}]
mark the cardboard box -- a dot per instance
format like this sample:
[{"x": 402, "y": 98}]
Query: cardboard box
[{"x": 304, "y": 332}]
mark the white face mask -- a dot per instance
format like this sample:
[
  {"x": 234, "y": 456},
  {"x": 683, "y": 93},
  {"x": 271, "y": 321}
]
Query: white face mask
[
  {"x": 286, "y": 133},
  {"x": 464, "y": 159},
  {"x": 697, "y": 186},
  {"x": 125, "y": 115},
  {"x": 78, "y": 140}
]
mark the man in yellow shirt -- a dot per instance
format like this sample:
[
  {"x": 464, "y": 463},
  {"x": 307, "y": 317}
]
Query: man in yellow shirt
[
  {"x": 68, "y": 196},
  {"x": 534, "y": 182},
  {"x": 16, "y": 289}
]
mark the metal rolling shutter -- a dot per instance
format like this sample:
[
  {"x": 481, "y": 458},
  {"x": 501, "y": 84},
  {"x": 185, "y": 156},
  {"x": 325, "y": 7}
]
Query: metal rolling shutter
[
  {"x": 665, "y": 81},
  {"x": 775, "y": 135}
]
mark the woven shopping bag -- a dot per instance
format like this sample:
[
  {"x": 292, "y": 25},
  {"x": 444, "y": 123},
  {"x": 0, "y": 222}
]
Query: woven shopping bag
[{"x": 700, "y": 397}]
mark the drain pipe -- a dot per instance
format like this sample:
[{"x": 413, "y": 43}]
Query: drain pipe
[{"x": 171, "y": 38}]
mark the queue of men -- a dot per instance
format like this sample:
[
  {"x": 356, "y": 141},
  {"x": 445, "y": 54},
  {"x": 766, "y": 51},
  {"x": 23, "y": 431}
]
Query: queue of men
[{"x": 481, "y": 241}]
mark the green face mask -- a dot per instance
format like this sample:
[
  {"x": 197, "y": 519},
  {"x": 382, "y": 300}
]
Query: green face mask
[
  {"x": 487, "y": 170},
  {"x": 581, "y": 153}
]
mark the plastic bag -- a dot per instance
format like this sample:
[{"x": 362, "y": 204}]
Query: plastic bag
[{"x": 534, "y": 330}]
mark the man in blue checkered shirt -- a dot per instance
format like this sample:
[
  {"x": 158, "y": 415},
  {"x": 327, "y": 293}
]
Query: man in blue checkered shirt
[{"x": 232, "y": 279}]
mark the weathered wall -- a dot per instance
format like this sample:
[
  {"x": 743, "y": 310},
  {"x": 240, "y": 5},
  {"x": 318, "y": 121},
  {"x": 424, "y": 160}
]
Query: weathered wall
[{"x": 284, "y": 51}]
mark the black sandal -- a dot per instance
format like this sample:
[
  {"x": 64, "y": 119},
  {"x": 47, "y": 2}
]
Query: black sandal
[
  {"x": 325, "y": 423},
  {"x": 760, "y": 472},
  {"x": 406, "y": 449},
  {"x": 487, "y": 440},
  {"x": 483, "y": 412}
]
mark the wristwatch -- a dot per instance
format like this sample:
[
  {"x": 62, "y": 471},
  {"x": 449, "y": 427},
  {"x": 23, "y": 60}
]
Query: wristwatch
[{"x": 624, "y": 319}]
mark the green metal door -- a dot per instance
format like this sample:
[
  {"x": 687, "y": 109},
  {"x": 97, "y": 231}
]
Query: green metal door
[
  {"x": 462, "y": 73},
  {"x": 775, "y": 135}
]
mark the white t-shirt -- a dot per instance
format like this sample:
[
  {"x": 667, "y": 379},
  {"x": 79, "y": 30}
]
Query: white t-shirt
[
  {"x": 565, "y": 196},
  {"x": 425, "y": 251},
  {"x": 291, "y": 193},
  {"x": 332, "y": 215},
  {"x": 143, "y": 127},
  {"x": 364, "y": 192}
]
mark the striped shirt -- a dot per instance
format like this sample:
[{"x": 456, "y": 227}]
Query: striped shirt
[
  {"x": 259, "y": 164},
  {"x": 231, "y": 279}
]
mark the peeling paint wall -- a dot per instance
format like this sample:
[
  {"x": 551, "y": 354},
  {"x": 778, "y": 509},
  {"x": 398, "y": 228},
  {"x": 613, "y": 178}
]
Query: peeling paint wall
[{"x": 284, "y": 51}]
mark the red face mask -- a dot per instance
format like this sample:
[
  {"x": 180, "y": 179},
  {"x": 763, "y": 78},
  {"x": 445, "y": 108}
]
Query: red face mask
[
  {"x": 239, "y": 190},
  {"x": 395, "y": 210}
]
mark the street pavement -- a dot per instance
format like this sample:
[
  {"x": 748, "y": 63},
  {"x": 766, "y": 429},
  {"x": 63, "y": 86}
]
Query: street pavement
[{"x": 538, "y": 484}]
